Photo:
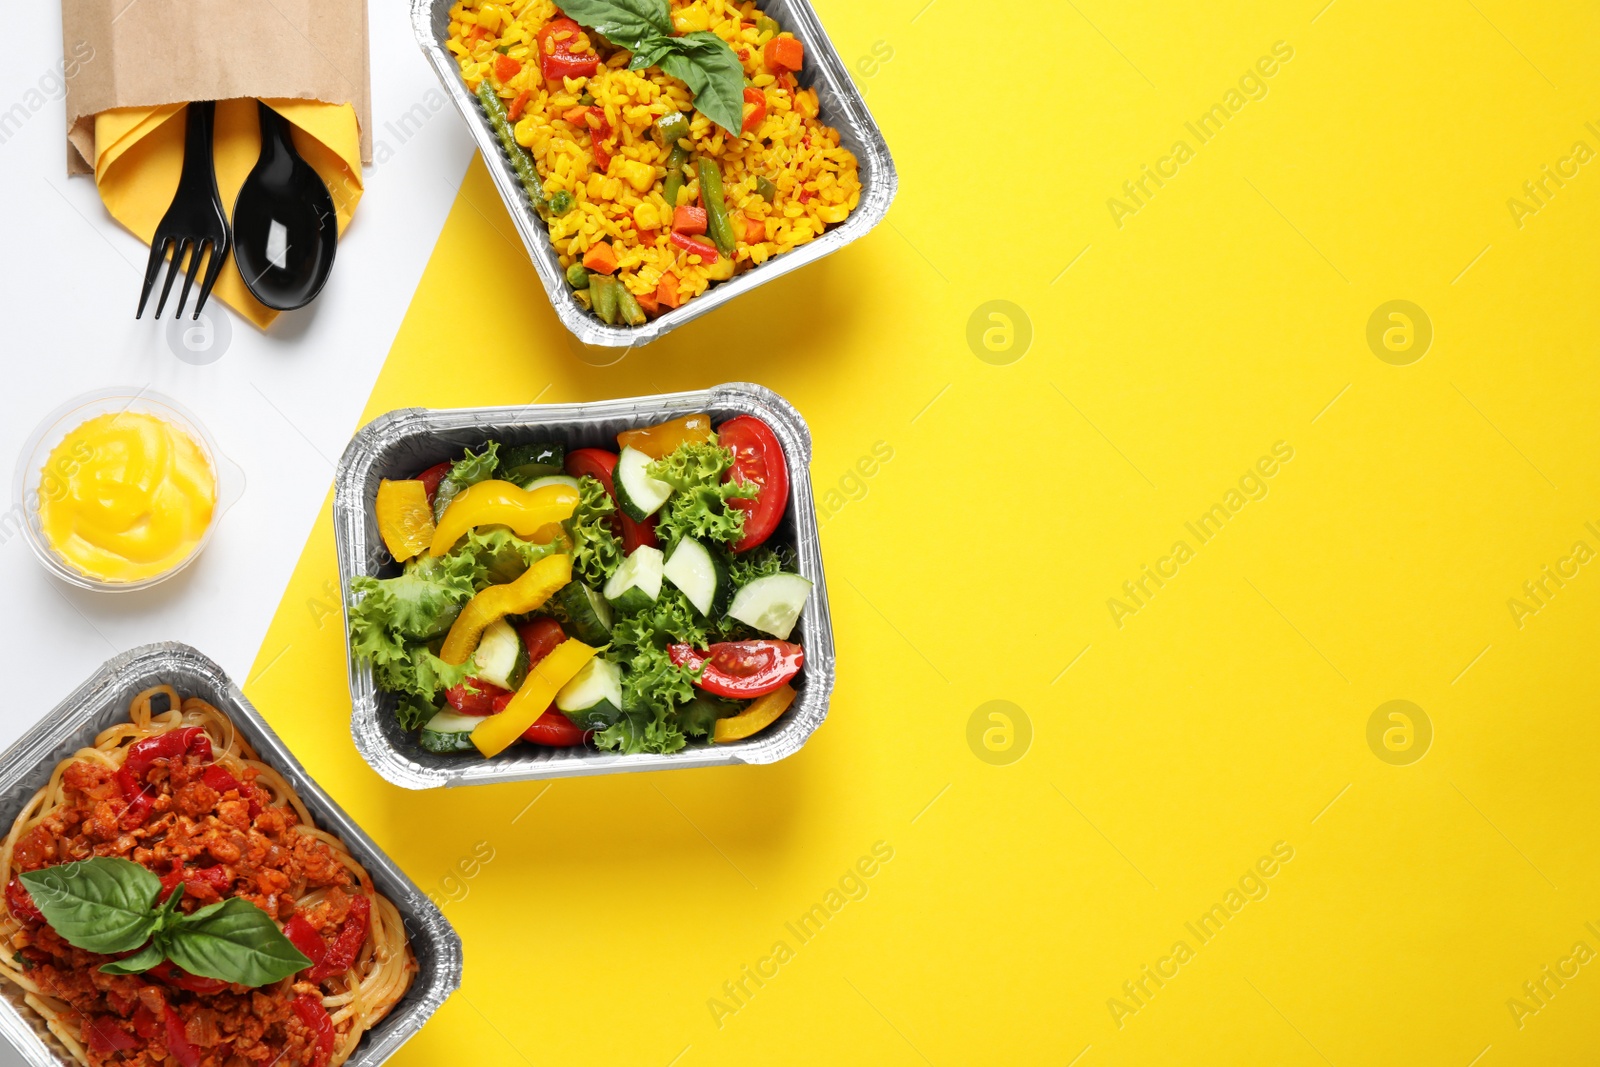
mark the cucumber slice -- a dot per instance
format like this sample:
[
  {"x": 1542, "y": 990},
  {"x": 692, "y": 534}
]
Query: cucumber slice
[
  {"x": 593, "y": 699},
  {"x": 701, "y": 574},
  {"x": 637, "y": 583},
  {"x": 638, "y": 494},
  {"x": 449, "y": 731},
  {"x": 771, "y": 604},
  {"x": 502, "y": 658},
  {"x": 551, "y": 479},
  {"x": 521, "y": 463},
  {"x": 588, "y": 613}
]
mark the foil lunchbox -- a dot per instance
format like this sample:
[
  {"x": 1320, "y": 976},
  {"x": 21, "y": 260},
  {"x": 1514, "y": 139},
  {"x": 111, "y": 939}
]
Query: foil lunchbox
[
  {"x": 101, "y": 702},
  {"x": 841, "y": 106},
  {"x": 401, "y": 443}
]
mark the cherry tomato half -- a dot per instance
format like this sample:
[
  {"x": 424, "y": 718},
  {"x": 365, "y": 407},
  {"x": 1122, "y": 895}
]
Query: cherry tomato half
[
  {"x": 540, "y": 636},
  {"x": 555, "y": 730},
  {"x": 477, "y": 697},
  {"x": 758, "y": 458},
  {"x": 431, "y": 477},
  {"x": 557, "y": 59},
  {"x": 741, "y": 669},
  {"x": 598, "y": 464}
]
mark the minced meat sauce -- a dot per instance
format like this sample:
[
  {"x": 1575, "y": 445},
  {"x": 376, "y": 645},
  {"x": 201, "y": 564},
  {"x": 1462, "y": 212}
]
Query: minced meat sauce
[{"x": 220, "y": 842}]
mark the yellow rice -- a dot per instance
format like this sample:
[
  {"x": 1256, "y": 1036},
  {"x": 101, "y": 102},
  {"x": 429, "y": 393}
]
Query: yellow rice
[{"x": 625, "y": 204}]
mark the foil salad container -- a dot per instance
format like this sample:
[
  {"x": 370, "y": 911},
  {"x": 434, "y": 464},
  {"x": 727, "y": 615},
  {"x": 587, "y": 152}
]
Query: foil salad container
[
  {"x": 401, "y": 443},
  {"x": 102, "y": 701},
  {"x": 841, "y": 106}
]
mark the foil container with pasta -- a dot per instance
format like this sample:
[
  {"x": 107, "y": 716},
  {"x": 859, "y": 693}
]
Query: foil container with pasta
[{"x": 103, "y": 702}]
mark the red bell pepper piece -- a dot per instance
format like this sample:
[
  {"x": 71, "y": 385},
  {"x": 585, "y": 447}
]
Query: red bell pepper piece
[
  {"x": 106, "y": 1037},
  {"x": 170, "y": 973},
  {"x": 704, "y": 249},
  {"x": 20, "y": 903},
  {"x": 506, "y": 68},
  {"x": 179, "y": 1047},
  {"x": 142, "y": 755},
  {"x": 310, "y": 1011},
  {"x": 145, "y": 1024},
  {"x": 556, "y": 58},
  {"x": 304, "y": 937},
  {"x": 754, "y": 96},
  {"x": 347, "y": 945}
]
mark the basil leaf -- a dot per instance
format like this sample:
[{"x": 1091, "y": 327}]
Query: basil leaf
[
  {"x": 625, "y": 22},
  {"x": 138, "y": 963},
  {"x": 706, "y": 64},
  {"x": 99, "y": 905},
  {"x": 649, "y": 52},
  {"x": 234, "y": 941}
]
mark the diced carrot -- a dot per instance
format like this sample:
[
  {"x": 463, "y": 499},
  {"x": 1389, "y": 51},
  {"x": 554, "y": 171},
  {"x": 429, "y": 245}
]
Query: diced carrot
[
  {"x": 602, "y": 258},
  {"x": 667, "y": 291},
  {"x": 575, "y": 115},
  {"x": 506, "y": 68},
  {"x": 514, "y": 112},
  {"x": 689, "y": 219},
  {"x": 755, "y": 231},
  {"x": 783, "y": 53},
  {"x": 649, "y": 303}
]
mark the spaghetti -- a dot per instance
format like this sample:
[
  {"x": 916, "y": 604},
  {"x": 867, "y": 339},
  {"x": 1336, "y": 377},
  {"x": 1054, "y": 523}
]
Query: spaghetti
[{"x": 204, "y": 811}]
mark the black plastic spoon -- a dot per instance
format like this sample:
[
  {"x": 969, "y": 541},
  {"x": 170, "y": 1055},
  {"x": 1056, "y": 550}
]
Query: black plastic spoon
[{"x": 285, "y": 229}]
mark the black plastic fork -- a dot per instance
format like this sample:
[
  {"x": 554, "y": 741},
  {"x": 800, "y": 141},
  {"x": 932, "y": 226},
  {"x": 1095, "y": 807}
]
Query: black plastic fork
[{"x": 195, "y": 222}]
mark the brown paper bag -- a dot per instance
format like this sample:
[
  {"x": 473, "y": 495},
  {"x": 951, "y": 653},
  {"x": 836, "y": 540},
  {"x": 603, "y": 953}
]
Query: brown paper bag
[{"x": 144, "y": 53}]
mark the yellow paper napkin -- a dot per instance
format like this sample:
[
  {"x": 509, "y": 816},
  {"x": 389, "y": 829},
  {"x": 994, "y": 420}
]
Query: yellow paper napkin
[{"x": 139, "y": 154}]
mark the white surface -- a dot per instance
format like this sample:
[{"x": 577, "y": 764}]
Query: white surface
[{"x": 281, "y": 405}]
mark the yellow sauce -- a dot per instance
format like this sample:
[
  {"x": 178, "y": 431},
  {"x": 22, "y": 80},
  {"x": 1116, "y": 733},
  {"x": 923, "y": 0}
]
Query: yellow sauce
[{"x": 126, "y": 496}]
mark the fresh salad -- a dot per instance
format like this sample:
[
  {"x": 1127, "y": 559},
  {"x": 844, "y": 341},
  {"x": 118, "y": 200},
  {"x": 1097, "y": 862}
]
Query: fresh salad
[{"x": 624, "y": 599}]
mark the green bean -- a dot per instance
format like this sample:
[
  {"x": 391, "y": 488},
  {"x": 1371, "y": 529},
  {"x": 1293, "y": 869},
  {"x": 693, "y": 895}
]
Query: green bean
[
  {"x": 766, "y": 25},
  {"x": 603, "y": 291},
  {"x": 578, "y": 276},
  {"x": 520, "y": 161},
  {"x": 674, "y": 180},
  {"x": 670, "y": 128},
  {"x": 718, "y": 223},
  {"x": 766, "y": 190},
  {"x": 628, "y": 307}
]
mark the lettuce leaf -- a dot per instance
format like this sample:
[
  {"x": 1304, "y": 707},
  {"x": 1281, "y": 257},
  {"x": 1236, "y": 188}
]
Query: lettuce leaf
[
  {"x": 596, "y": 553},
  {"x": 418, "y": 604},
  {"x": 641, "y": 730},
  {"x": 699, "y": 505},
  {"x": 472, "y": 469},
  {"x": 499, "y": 556}
]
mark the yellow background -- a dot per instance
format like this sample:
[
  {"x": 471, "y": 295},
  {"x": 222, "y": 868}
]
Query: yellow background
[{"x": 1230, "y": 712}]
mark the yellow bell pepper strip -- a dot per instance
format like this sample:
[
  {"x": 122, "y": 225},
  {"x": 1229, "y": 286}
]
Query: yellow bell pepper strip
[
  {"x": 762, "y": 713},
  {"x": 659, "y": 441},
  {"x": 494, "y": 501},
  {"x": 405, "y": 518},
  {"x": 496, "y": 733},
  {"x": 528, "y": 593}
]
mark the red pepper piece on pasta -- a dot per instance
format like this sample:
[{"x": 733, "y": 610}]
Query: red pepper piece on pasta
[
  {"x": 310, "y": 1011},
  {"x": 105, "y": 1036},
  {"x": 219, "y": 778},
  {"x": 138, "y": 802},
  {"x": 179, "y": 1047},
  {"x": 20, "y": 903},
  {"x": 352, "y": 935},
  {"x": 303, "y": 936},
  {"x": 142, "y": 755},
  {"x": 145, "y": 1023},
  {"x": 173, "y": 975},
  {"x": 216, "y": 878}
]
